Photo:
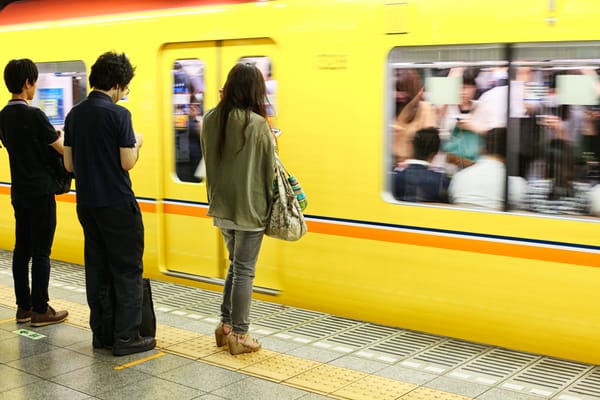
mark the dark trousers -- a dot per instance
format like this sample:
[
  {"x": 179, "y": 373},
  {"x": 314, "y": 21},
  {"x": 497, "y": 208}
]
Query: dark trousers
[
  {"x": 35, "y": 223},
  {"x": 113, "y": 250}
]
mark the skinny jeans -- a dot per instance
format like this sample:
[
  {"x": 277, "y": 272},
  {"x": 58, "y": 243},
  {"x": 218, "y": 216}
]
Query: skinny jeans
[{"x": 243, "y": 248}]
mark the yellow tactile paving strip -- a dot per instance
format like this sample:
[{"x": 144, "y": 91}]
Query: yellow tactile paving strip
[{"x": 329, "y": 380}]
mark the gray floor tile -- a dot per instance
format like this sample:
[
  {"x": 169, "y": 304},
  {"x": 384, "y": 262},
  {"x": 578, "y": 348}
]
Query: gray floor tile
[
  {"x": 52, "y": 363},
  {"x": 258, "y": 389},
  {"x": 162, "y": 364},
  {"x": 63, "y": 335},
  {"x": 501, "y": 394},
  {"x": 406, "y": 375},
  {"x": 281, "y": 346},
  {"x": 99, "y": 378},
  {"x": 20, "y": 347},
  {"x": 85, "y": 347},
  {"x": 199, "y": 326},
  {"x": 152, "y": 389},
  {"x": 202, "y": 376},
  {"x": 359, "y": 364},
  {"x": 42, "y": 390},
  {"x": 457, "y": 386},
  {"x": 11, "y": 378},
  {"x": 316, "y": 354},
  {"x": 209, "y": 397}
]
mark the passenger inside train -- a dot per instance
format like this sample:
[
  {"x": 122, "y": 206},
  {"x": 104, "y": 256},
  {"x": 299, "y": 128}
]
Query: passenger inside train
[{"x": 548, "y": 108}]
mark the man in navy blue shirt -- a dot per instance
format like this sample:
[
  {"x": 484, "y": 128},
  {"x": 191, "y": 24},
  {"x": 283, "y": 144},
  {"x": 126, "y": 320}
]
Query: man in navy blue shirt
[
  {"x": 416, "y": 180},
  {"x": 29, "y": 138},
  {"x": 100, "y": 148}
]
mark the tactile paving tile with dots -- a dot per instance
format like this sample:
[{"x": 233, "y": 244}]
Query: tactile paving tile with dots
[
  {"x": 79, "y": 315},
  {"x": 196, "y": 348},
  {"x": 240, "y": 361},
  {"x": 374, "y": 387},
  {"x": 423, "y": 393},
  {"x": 167, "y": 336},
  {"x": 326, "y": 378},
  {"x": 281, "y": 367}
]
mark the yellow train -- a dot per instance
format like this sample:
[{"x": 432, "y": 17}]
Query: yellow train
[{"x": 513, "y": 277}]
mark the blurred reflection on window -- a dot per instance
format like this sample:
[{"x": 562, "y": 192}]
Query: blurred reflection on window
[
  {"x": 546, "y": 99},
  {"x": 188, "y": 109},
  {"x": 266, "y": 67}
]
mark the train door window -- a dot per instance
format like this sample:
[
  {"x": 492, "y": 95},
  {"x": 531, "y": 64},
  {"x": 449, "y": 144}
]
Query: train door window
[
  {"x": 460, "y": 92},
  {"x": 188, "y": 109},
  {"x": 266, "y": 67},
  {"x": 60, "y": 86},
  {"x": 556, "y": 126}
]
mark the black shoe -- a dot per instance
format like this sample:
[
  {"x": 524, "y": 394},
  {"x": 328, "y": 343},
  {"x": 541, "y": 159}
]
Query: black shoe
[
  {"x": 140, "y": 344},
  {"x": 98, "y": 343}
]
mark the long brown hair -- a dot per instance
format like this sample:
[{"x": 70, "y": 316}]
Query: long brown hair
[{"x": 245, "y": 90}]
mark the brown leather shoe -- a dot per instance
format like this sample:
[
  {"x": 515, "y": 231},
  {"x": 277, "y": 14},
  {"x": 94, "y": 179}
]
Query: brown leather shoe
[
  {"x": 49, "y": 317},
  {"x": 23, "y": 315}
]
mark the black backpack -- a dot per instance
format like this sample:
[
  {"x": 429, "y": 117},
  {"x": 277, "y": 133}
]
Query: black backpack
[{"x": 61, "y": 177}]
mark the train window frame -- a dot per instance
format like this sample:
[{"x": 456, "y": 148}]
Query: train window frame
[
  {"x": 557, "y": 55},
  {"x": 60, "y": 86}
]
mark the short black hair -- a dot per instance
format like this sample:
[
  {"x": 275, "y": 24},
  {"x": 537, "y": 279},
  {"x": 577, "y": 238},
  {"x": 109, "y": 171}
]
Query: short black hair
[
  {"x": 110, "y": 70},
  {"x": 18, "y": 72},
  {"x": 426, "y": 143}
]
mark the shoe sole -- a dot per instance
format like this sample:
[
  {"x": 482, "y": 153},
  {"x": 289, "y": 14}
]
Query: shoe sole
[
  {"x": 127, "y": 352},
  {"x": 245, "y": 350},
  {"x": 22, "y": 320},
  {"x": 46, "y": 323}
]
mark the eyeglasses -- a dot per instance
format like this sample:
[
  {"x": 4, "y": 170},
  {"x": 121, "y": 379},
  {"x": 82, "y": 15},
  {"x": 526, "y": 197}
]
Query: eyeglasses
[{"x": 126, "y": 90}]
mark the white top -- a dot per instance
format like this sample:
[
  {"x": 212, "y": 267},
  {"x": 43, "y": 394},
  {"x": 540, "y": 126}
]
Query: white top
[{"x": 480, "y": 185}]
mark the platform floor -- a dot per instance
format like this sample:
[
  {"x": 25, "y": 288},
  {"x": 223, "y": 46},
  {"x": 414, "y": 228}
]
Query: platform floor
[{"x": 306, "y": 355}]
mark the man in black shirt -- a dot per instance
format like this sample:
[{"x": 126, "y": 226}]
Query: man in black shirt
[
  {"x": 29, "y": 138},
  {"x": 100, "y": 148}
]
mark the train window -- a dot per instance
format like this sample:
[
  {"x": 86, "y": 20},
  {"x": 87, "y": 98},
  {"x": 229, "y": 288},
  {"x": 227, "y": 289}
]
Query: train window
[
  {"x": 546, "y": 153},
  {"x": 555, "y": 130},
  {"x": 60, "y": 85},
  {"x": 188, "y": 109},
  {"x": 445, "y": 114},
  {"x": 266, "y": 67}
]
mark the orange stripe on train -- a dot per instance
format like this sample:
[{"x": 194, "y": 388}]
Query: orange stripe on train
[
  {"x": 531, "y": 252},
  {"x": 526, "y": 251}
]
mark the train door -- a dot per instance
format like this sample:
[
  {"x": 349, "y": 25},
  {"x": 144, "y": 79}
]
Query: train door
[
  {"x": 192, "y": 75},
  {"x": 191, "y": 246}
]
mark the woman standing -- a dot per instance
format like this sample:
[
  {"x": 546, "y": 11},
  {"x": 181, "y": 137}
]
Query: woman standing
[{"x": 239, "y": 153}]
